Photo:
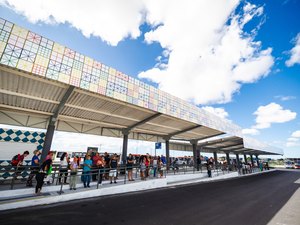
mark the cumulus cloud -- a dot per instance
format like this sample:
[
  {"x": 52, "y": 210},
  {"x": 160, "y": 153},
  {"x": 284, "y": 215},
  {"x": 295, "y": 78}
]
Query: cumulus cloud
[
  {"x": 268, "y": 114},
  {"x": 294, "y": 53},
  {"x": 210, "y": 55},
  {"x": 221, "y": 112},
  {"x": 206, "y": 51},
  {"x": 111, "y": 20},
  {"x": 250, "y": 131},
  {"x": 294, "y": 140},
  {"x": 272, "y": 113}
]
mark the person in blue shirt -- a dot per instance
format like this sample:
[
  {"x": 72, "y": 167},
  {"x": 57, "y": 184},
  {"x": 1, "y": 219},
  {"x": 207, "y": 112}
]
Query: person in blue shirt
[
  {"x": 35, "y": 163},
  {"x": 87, "y": 165}
]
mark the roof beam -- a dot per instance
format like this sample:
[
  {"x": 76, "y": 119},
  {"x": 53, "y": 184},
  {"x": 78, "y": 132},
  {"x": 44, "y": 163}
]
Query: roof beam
[
  {"x": 183, "y": 131},
  {"x": 210, "y": 136},
  {"x": 232, "y": 139},
  {"x": 142, "y": 122},
  {"x": 61, "y": 105}
]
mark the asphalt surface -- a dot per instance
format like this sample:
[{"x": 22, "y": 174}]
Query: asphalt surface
[{"x": 248, "y": 200}]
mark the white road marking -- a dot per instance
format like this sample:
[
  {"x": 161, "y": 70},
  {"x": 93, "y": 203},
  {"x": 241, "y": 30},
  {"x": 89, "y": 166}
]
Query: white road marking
[{"x": 297, "y": 181}]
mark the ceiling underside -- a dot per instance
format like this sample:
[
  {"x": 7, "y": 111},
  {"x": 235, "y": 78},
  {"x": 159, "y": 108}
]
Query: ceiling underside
[{"x": 28, "y": 100}]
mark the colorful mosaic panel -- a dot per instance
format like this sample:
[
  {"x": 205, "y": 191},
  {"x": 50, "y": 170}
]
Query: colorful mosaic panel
[{"x": 25, "y": 50}]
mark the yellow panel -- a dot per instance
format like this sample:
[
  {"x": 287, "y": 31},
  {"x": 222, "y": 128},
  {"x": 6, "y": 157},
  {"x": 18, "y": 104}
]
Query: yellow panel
[
  {"x": 24, "y": 65},
  {"x": 76, "y": 73},
  {"x": 2, "y": 46},
  {"x": 64, "y": 78},
  {"x": 89, "y": 61},
  {"x": 130, "y": 86},
  {"x": 19, "y": 31},
  {"x": 112, "y": 71},
  {"x": 93, "y": 87},
  {"x": 141, "y": 103},
  {"x": 103, "y": 83},
  {"x": 58, "y": 48},
  {"x": 42, "y": 61}
]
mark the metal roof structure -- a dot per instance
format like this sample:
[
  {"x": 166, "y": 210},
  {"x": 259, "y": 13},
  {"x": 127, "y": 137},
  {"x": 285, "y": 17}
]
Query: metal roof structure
[
  {"x": 43, "y": 81},
  {"x": 233, "y": 144}
]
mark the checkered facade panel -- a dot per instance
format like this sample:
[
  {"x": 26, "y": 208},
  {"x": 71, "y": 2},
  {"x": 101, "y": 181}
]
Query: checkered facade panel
[
  {"x": 30, "y": 52},
  {"x": 19, "y": 136},
  {"x": 23, "y": 136}
]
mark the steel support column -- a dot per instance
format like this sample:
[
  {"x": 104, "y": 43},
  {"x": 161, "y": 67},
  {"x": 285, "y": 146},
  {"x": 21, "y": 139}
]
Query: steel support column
[
  {"x": 48, "y": 141},
  {"x": 252, "y": 162},
  {"x": 168, "y": 153},
  {"x": 125, "y": 146},
  {"x": 237, "y": 162},
  {"x": 51, "y": 126},
  {"x": 245, "y": 158},
  {"x": 216, "y": 158},
  {"x": 257, "y": 160},
  {"x": 227, "y": 158},
  {"x": 194, "y": 144}
]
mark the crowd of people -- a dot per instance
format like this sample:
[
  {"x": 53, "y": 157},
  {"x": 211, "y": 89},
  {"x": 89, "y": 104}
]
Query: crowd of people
[{"x": 96, "y": 167}]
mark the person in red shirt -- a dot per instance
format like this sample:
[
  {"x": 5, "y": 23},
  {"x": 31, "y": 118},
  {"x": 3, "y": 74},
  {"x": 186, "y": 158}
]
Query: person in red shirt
[
  {"x": 18, "y": 159},
  {"x": 94, "y": 171}
]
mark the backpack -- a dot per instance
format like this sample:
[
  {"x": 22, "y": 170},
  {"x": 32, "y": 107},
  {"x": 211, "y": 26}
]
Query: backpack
[{"x": 15, "y": 160}]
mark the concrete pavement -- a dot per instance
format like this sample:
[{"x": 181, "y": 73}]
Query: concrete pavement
[{"x": 247, "y": 200}]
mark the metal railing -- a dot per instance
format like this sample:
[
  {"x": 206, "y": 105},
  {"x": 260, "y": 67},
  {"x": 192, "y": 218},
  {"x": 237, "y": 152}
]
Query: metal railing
[{"x": 11, "y": 174}]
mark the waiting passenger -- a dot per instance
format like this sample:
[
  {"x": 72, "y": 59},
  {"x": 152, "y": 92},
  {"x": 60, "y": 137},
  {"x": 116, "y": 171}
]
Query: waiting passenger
[
  {"x": 63, "y": 169},
  {"x": 143, "y": 168},
  {"x": 87, "y": 165},
  {"x": 209, "y": 166},
  {"x": 73, "y": 177},
  {"x": 45, "y": 170},
  {"x": 129, "y": 165},
  {"x": 34, "y": 167},
  {"x": 113, "y": 165}
]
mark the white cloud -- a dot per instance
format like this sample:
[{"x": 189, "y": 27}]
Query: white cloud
[
  {"x": 294, "y": 140},
  {"x": 111, "y": 20},
  {"x": 268, "y": 114},
  {"x": 250, "y": 131},
  {"x": 296, "y": 134},
  {"x": 210, "y": 56},
  {"x": 295, "y": 53},
  {"x": 285, "y": 98},
  {"x": 272, "y": 113},
  {"x": 221, "y": 112},
  {"x": 206, "y": 52}
]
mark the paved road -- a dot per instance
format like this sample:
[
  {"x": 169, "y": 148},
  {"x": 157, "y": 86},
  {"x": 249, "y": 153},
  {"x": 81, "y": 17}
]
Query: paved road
[{"x": 249, "y": 200}]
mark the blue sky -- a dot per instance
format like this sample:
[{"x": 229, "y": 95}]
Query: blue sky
[{"x": 234, "y": 58}]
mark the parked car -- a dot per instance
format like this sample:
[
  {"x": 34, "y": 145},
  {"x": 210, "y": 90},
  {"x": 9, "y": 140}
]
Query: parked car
[
  {"x": 289, "y": 165},
  {"x": 297, "y": 165}
]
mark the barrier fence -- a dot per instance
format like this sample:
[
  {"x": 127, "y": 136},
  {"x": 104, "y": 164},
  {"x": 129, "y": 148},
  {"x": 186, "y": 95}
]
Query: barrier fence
[{"x": 17, "y": 177}]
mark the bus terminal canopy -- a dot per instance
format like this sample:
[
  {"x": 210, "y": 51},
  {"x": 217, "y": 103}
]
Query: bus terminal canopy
[
  {"x": 233, "y": 145},
  {"x": 44, "y": 84}
]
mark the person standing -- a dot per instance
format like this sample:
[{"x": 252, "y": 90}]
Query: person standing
[
  {"x": 100, "y": 166},
  {"x": 113, "y": 165},
  {"x": 129, "y": 166},
  {"x": 209, "y": 166},
  {"x": 35, "y": 162},
  {"x": 154, "y": 165},
  {"x": 143, "y": 168},
  {"x": 87, "y": 165},
  {"x": 106, "y": 160},
  {"x": 45, "y": 169},
  {"x": 73, "y": 177},
  {"x": 95, "y": 167},
  {"x": 63, "y": 170}
]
